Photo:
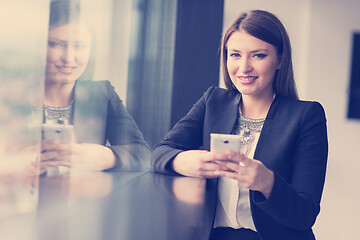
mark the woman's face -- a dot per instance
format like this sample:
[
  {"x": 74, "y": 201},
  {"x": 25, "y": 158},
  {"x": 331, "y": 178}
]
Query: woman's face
[
  {"x": 251, "y": 64},
  {"x": 67, "y": 53}
]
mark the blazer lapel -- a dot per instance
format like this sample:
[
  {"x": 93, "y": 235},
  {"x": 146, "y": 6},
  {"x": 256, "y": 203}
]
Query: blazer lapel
[
  {"x": 224, "y": 116},
  {"x": 266, "y": 135},
  {"x": 220, "y": 117},
  {"x": 89, "y": 114}
]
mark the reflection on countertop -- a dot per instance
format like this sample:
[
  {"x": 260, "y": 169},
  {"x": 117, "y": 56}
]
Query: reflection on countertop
[{"x": 115, "y": 205}]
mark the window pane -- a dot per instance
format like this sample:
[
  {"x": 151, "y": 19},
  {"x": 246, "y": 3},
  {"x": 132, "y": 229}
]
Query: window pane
[{"x": 23, "y": 39}]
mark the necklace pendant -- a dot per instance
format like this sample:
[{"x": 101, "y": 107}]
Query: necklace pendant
[{"x": 246, "y": 131}]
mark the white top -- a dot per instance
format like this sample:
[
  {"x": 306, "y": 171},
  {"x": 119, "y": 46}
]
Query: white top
[{"x": 233, "y": 208}]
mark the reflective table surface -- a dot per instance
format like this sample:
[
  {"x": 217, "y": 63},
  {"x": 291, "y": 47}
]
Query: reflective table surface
[{"x": 110, "y": 205}]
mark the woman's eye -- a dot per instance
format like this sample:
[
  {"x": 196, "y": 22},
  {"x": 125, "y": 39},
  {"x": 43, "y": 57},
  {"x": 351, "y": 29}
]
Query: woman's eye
[
  {"x": 235, "y": 55},
  {"x": 55, "y": 44},
  {"x": 260, "y": 55},
  {"x": 80, "y": 45}
]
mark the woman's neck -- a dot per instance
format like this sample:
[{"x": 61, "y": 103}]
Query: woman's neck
[
  {"x": 255, "y": 108},
  {"x": 58, "y": 94}
]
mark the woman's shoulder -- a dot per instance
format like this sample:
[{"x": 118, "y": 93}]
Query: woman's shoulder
[
  {"x": 300, "y": 107},
  {"x": 296, "y": 103},
  {"x": 98, "y": 84},
  {"x": 219, "y": 93},
  {"x": 98, "y": 87}
]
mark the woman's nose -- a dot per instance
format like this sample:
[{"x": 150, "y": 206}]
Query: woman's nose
[
  {"x": 245, "y": 65},
  {"x": 68, "y": 55}
]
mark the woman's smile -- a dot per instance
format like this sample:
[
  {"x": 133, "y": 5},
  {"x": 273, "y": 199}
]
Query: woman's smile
[
  {"x": 67, "y": 70},
  {"x": 247, "y": 79}
]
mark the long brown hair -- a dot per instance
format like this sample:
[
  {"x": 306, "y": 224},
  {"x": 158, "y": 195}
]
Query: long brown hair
[{"x": 268, "y": 28}]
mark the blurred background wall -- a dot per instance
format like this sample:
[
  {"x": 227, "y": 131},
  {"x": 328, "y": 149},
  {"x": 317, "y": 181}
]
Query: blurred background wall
[{"x": 174, "y": 58}]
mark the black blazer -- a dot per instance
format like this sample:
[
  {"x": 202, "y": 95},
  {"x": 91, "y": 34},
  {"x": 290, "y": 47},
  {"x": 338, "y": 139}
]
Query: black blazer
[
  {"x": 100, "y": 117},
  {"x": 293, "y": 144}
]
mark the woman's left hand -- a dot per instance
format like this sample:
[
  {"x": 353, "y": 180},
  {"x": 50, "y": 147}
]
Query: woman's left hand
[
  {"x": 85, "y": 155},
  {"x": 250, "y": 173}
]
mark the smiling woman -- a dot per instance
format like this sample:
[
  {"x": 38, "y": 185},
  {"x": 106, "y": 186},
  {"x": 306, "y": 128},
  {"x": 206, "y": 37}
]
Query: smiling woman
[
  {"x": 252, "y": 64},
  {"x": 80, "y": 117},
  {"x": 68, "y": 52},
  {"x": 271, "y": 187}
]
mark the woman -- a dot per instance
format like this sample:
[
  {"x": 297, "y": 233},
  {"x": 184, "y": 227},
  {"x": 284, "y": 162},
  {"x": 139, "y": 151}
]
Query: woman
[
  {"x": 93, "y": 108},
  {"x": 272, "y": 188}
]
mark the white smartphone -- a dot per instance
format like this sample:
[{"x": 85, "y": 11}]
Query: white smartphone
[
  {"x": 58, "y": 132},
  {"x": 224, "y": 142}
]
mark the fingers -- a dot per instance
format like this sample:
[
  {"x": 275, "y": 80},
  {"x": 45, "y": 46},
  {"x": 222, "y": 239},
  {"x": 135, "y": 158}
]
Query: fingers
[
  {"x": 215, "y": 156},
  {"x": 206, "y": 169},
  {"x": 210, "y": 164},
  {"x": 55, "y": 163},
  {"x": 214, "y": 163},
  {"x": 51, "y": 160},
  {"x": 52, "y": 145},
  {"x": 236, "y": 162},
  {"x": 198, "y": 163},
  {"x": 240, "y": 177},
  {"x": 240, "y": 158},
  {"x": 237, "y": 166},
  {"x": 55, "y": 154},
  {"x": 250, "y": 173}
]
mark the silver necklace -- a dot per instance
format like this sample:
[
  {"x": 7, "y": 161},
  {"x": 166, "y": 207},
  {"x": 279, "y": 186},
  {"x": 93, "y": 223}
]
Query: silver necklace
[
  {"x": 58, "y": 115},
  {"x": 247, "y": 128}
]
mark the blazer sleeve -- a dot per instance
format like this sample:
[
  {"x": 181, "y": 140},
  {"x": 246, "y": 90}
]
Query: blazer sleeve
[
  {"x": 126, "y": 139},
  {"x": 295, "y": 203},
  {"x": 187, "y": 134}
]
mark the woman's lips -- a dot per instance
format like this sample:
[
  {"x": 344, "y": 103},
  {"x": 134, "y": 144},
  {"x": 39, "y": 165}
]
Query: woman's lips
[
  {"x": 66, "y": 69},
  {"x": 247, "y": 80}
]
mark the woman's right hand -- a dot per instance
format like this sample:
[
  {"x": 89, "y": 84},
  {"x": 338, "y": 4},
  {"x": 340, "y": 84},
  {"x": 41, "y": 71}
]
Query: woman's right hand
[
  {"x": 84, "y": 155},
  {"x": 198, "y": 163}
]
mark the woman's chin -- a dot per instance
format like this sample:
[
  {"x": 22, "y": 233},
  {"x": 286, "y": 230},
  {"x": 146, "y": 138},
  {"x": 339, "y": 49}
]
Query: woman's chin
[{"x": 62, "y": 80}]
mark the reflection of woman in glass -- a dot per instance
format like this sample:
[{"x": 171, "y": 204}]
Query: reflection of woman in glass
[
  {"x": 272, "y": 188},
  {"x": 93, "y": 108}
]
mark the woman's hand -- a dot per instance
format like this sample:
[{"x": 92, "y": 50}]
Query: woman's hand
[
  {"x": 198, "y": 163},
  {"x": 85, "y": 155},
  {"x": 250, "y": 173}
]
